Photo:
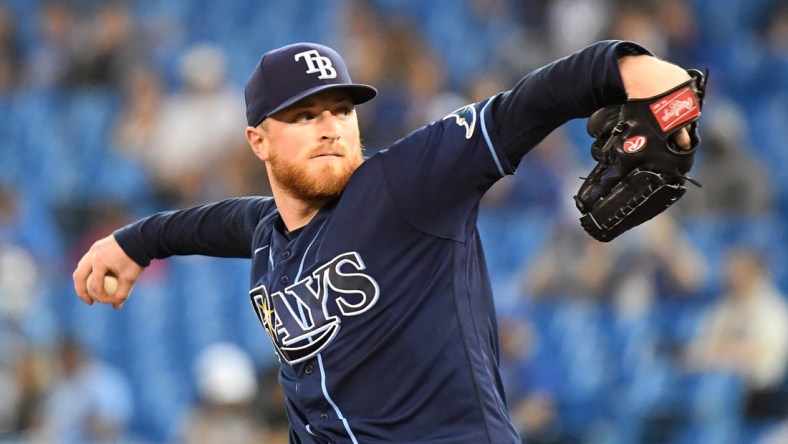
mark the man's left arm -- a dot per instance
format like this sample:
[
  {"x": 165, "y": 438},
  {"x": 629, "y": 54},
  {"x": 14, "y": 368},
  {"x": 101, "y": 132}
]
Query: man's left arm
[{"x": 605, "y": 73}]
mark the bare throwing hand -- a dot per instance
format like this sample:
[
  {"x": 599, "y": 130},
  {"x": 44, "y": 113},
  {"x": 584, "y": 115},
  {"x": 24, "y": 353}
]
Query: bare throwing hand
[{"x": 105, "y": 258}]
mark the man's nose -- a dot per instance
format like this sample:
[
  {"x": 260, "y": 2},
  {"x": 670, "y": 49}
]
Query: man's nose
[{"x": 329, "y": 126}]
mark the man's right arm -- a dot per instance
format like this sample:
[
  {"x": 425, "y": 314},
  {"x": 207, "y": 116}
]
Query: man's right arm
[{"x": 222, "y": 229}]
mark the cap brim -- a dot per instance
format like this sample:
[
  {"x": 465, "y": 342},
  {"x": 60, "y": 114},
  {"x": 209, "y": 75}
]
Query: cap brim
[{"x": 359, "y": 93}]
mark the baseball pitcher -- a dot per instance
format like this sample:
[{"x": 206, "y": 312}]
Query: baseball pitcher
[{"x": 368, "y": 275}]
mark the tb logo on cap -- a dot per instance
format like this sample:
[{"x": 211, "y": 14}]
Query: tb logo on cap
[{"x": 317, "y": 63}]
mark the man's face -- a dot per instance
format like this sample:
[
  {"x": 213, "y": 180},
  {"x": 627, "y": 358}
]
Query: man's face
[{"x": 314, "y": 145}]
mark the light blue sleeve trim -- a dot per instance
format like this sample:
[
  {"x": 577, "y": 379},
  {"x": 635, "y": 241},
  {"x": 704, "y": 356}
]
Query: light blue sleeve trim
[{"x": 490, "y": 146}]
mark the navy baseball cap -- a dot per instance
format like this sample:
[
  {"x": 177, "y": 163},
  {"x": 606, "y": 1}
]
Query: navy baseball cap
[{"x": 290, "y": 73}]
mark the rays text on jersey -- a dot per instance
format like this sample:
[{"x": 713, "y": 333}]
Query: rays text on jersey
[{"x": 304, "y": 318}]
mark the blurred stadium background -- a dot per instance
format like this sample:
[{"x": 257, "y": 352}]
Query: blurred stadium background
[{"x": 114, "y": 109}]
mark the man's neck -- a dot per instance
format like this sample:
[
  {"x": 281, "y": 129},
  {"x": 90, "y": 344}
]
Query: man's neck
[{"x": 296, "y": 212}]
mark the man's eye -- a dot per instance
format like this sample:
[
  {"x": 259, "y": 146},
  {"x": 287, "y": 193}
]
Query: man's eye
[{"x": 302, "y": 117}]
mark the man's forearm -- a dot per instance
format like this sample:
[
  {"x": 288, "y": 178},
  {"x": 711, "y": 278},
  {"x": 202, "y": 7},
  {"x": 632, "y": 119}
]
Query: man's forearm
[
  {"x": 222, "y": 229},
  {"x": 645, "y": 76},
  {"x": 569, "y": 88}
]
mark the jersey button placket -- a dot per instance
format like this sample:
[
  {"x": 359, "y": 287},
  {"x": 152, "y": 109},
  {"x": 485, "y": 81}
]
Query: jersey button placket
[
  {"x": 308, "y": 369},
  {"x": 284, "y": 280},
  {"x": 285, "y": 254}
]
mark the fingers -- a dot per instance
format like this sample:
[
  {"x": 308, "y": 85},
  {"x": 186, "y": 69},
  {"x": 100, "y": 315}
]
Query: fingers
[
  {"x": 96, "y": 282},
  {"x": 123, "y": 292},
  {"x": 682, "y": 139},
  {"x": 80, "y": 277},
  {"x": 105, "y": 274}
]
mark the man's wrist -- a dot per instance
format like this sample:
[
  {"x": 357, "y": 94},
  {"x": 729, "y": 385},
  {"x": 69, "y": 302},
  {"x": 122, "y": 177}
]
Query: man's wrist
[
  {"x": 125, "y": 237},
  {"x": 646, "y": 76}
]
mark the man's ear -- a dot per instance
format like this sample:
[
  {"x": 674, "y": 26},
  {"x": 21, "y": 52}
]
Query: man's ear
[{"x": 255, "y": 136}]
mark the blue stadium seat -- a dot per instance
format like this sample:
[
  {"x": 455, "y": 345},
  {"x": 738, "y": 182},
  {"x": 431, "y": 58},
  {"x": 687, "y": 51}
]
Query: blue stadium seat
[
  {"x": 715, "y": 402},
  {"x": 584, "y": 354},
  {"x": 121, "y": 178},
  {"x": 153, "y": 358},
  {"x": 511, "y": 238}
]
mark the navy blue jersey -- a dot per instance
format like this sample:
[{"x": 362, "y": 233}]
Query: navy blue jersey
[{"x": 380, "y": 308}]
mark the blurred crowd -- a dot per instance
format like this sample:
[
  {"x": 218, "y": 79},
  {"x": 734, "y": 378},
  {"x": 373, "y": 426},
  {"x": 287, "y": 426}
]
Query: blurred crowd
[{"x": 675, "y": 332}]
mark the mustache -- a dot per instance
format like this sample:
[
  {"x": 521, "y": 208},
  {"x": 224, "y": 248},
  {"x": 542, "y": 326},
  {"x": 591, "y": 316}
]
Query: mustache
[{"x": 334, "y": 148}]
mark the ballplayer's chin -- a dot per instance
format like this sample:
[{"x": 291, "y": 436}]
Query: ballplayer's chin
[
  {"x": 332, "y": 168},
  {"x": 326, "y": 182}
]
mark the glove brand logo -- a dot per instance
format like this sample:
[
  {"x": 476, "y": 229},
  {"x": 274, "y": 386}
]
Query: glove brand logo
[
  {"x": 634, "y": 144},
  {"x": 304, "y": 318},
  {"x": 676, "y": 109},
  {"x": 317, "y": 63}
]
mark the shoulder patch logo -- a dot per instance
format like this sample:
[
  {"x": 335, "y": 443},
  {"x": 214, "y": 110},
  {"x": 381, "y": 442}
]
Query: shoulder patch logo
[{"x": 466, "y": 118}]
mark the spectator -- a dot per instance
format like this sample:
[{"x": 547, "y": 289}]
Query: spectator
[
  {"x": 770, "y": 79},
  {"x": 91, "y": 401},
  {"x": 108, "y": 47},
  {"x": 577, "y": 23},
  {"x": 530, "y": 380},
  {"x": 143, "y": 94},
  {"x": 194, "y": 131},
  {"x": 747, "y": 189},
  {"x": 409, "y": 75},
  {"x": 270, "y": 407},
  {"x": 226, "y": 386},
  {"x": 680, "y": 27},
  {"x": 10, "y": 52},
  {"x": 48, "y": 61},
  {"x": 30, "y": 374},
  {"x": 572, "y": 264},
  {"x": 746, "y": 332},
  {"x": 636, "y": 21},
  {"x": 657, "y": 263},
  {"x": 19, "y": 286}
]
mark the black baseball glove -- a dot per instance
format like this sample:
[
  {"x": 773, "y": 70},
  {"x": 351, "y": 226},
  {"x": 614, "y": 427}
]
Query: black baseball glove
[{"x": 640, "y": 170}]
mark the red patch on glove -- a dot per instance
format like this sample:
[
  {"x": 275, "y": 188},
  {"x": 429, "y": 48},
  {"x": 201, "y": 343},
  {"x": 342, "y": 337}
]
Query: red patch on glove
[{"x": 676, "y": 109}]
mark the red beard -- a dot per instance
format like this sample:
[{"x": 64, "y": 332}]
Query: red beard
[{"x": 308, "y": 182}]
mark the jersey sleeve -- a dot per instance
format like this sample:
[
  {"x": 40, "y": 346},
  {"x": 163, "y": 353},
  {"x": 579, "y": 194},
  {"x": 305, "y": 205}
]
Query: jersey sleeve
[
  {"x": 222, "y": 229},
  {"x": 569, "y": 88},
  {"x": 437, "y": 174}
]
